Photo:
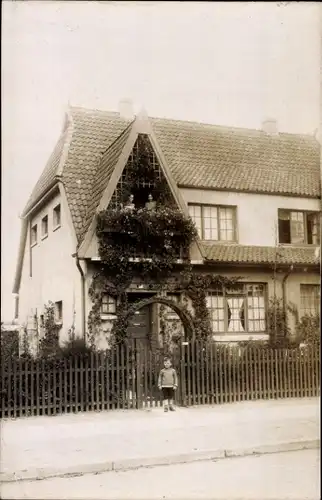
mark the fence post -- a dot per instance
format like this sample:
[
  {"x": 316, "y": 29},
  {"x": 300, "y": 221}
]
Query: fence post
[
  {"x": 182, "y": 375},
  {"x": 139, "y": 402}
]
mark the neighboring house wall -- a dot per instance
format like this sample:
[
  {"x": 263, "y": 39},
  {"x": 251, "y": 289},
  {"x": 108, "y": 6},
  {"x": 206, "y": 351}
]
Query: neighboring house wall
[
  {"x": 257, "y": 214},
  {"x": 54, "y": 275}
]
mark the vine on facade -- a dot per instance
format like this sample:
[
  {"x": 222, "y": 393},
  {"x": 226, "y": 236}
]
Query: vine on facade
[{"x": 143, "y": 234}]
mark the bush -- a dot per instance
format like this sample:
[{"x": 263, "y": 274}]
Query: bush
[
  {"x": 308, "y": 329},
  {"x": 9, "y": 345}
]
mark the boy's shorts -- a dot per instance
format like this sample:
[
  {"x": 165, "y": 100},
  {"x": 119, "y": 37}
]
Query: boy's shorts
[{"x": 168, "y": 392}]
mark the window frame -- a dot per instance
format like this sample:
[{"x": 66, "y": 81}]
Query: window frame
[
  {"x": 110, "y": 301},
  {"x": 317, "y": 303},
  {"x": 59, "y": 312},
  {"x": 305, "y": 213},
  {"x": 33, "y": 231},
  {"x": 218, "y": 207},
  {"x": 245, "y": 295},
  {"x": 55, "y": 211},
  {"x": 44, "y": 234}
]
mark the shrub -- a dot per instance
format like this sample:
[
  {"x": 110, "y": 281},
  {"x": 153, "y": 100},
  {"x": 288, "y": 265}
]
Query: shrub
[{"x": 308, "y": 329}]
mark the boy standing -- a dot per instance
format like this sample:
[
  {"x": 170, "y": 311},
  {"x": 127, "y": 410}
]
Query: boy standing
[{"x": 168, "y": 383}]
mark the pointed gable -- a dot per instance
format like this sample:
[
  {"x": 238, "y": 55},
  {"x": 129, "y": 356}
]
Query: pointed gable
[{"x": 140, "y": 172}]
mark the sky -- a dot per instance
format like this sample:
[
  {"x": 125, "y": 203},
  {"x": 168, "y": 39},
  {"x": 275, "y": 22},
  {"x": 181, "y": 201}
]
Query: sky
[{"x": 224, "y": 63}]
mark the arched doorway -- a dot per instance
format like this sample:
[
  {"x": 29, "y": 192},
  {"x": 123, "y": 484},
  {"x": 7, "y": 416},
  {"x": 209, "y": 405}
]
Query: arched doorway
[{"x": 141, "y": 308}]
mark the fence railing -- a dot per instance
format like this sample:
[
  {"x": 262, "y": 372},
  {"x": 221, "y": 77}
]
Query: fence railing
[{"x": 126, "y": 377}]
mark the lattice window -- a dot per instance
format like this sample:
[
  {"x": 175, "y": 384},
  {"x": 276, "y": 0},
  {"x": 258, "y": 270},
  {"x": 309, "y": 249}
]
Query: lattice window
[
  {"x": 216, "y": 223},
  {"x": 140, "y": 187},
  {"x": 108, "y": 304},
  {"x": 240, "y": 309}
]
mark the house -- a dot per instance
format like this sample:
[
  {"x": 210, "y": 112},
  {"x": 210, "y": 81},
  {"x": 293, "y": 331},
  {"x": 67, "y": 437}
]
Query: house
[{"x": 254, "y": 196}]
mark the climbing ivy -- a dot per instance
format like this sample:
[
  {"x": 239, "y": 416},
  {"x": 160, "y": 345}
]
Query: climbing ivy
[{"x": 151, "y": 242}]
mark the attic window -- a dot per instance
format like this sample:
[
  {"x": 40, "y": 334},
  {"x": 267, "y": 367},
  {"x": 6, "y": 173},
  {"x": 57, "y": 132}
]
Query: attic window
[
  {"x": 33, "y": 235},
  {"x": 298, "y": 227},
  {"x": 56, "y": 217},
  {"x": 44, "y": 226}
]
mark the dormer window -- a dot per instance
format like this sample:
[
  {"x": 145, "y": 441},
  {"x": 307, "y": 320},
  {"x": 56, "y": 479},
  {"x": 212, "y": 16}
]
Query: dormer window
[{"x": 298, "y": 227}]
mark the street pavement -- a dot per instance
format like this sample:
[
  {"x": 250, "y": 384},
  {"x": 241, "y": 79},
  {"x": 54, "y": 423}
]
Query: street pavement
[
  {"x": 278, "y": 476},
  {"x": 37, "y": 447}
]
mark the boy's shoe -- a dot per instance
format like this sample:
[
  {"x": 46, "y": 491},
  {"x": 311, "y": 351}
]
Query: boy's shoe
[
  {"x": 165, "y": 408},
  {"x": 172, "y": 408}
]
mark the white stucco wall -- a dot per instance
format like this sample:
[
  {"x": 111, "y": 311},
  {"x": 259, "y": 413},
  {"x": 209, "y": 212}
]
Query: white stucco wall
[
  {"x": 256, "y": 213},
  {"x": 55, "y": 276}
]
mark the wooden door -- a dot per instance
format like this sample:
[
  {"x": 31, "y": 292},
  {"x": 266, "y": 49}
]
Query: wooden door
[{"x": 140, "y": 324}]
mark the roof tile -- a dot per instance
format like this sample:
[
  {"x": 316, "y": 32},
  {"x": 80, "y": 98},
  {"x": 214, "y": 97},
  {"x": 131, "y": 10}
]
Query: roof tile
[
  {"x": 198, "y": 155},
  {"x": 260, "y": 255}
]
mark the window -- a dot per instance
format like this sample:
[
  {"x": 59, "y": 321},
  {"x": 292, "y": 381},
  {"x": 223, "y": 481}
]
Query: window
[
  {"x": 44, "y": 226},
  {"x": 108, "y": 304},
  {"x": 240, "y": 309},
  {"x": 214, "y": 222},
  {"x": 310, "y": 299},
  {"x": 59, "y": 311},
  {"x": 33, "y": 235},
  {"x": 56, "y": 217},
  {"x": 299, "y": 227}
]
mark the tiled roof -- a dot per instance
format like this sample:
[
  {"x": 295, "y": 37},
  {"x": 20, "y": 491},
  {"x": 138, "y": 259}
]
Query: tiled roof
[
  {"x": 49, "y": 173},
  {"x": 239, "y": 159},
  {"x": 198, "y": 155},
  {"x": 106, "y": 166},
  {"x": 93, "y": 134},
  {"x": 259, "y": 255}
]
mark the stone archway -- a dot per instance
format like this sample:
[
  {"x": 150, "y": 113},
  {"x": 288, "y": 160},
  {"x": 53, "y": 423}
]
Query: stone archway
[{"x": 183, "y": 314}]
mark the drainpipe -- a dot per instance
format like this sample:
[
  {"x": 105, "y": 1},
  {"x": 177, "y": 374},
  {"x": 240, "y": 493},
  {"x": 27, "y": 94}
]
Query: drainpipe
[
  {"x": 79, "y": 267},
  {"x": 284, "y": 291}
]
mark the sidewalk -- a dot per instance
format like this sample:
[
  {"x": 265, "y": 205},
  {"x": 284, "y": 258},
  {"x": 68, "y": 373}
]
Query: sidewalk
[{"x": 92, "y": 442}]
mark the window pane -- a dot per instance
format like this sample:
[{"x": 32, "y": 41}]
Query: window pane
[
  {"x": 313, "y": 229},
  {"x": 226, "y": 216},
  {"x": 256, "y": 308},
  {"x": 33, "y": 235},
  {"x": 236, "y": 314},
  {"x": 108, "y": 305},
  {"x": 215, "y": 304},
  {"x": 284, "y": 226},
  {"x": 310, "y": 299},
  {"x": 195, "y": 214},
  {"x": 297, "y": 227},
  {"x": 210, "y": 220}
]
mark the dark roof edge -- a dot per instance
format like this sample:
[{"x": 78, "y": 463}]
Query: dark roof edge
[
  {"x": 41, "y": 197},
  {"x": 263, "y": 264}
]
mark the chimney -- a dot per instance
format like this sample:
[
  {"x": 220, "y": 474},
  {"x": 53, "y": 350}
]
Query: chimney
[
  {"x": 126, "y": 109},
  {"x": 269, "y": 126}
]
